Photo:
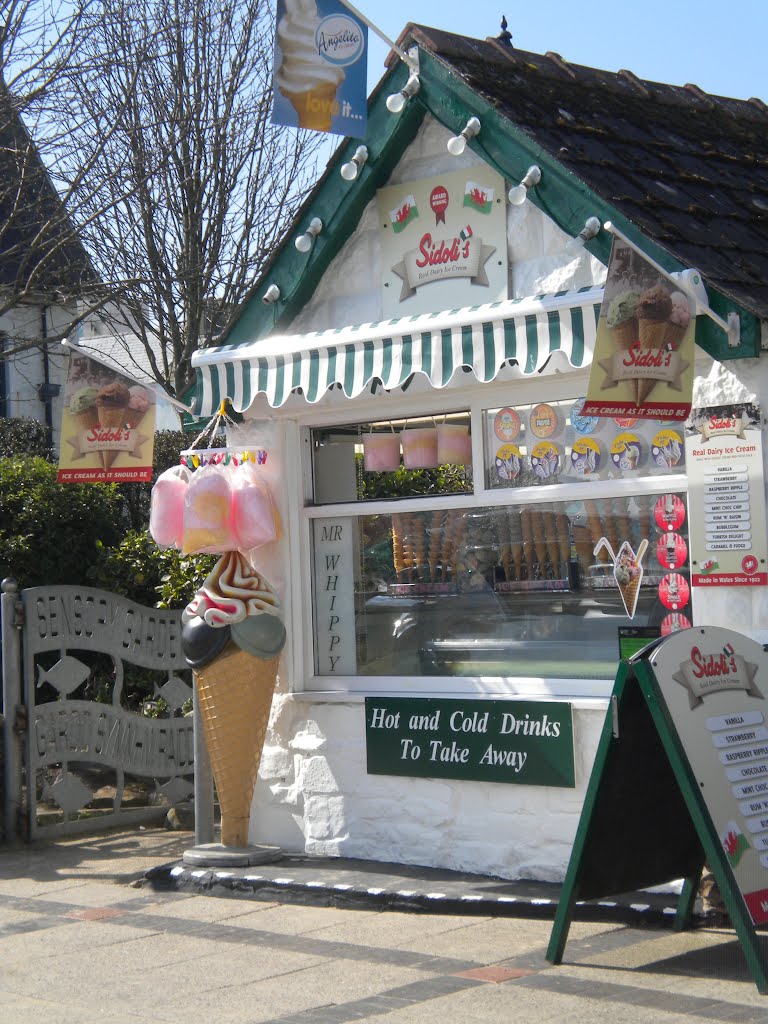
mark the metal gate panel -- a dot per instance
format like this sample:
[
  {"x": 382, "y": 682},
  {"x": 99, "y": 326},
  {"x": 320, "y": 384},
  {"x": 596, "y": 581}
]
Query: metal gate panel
[{"x": 74, "y": 637}]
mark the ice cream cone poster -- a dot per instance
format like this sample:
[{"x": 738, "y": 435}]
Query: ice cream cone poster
[
  {"x": 321, "y": 58},
  {"x": 643, "y": 362},
  {"x": 108, "y": 426},
  {"x": 443, "y": 242}
]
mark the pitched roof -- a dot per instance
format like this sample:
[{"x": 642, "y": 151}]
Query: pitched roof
[
  {"x": 688, "y": 168},
  {"x": 40, "y": 251},
  {"x": 682, "y": 174}
]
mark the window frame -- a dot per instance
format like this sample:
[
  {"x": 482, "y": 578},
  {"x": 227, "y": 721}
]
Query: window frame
[{"x": 526, "y": 391}]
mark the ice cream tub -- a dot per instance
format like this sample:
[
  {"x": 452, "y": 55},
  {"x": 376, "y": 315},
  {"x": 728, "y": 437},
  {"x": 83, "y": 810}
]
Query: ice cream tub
[
  {"x": 381, "y": 452},
  {"x": 419, "y": 448},
  {"x": 454, "y": 445}
]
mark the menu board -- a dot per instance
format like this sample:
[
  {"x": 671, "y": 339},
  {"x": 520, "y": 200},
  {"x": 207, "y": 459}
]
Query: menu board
[
  {"x": 553, "y": 442},
  {"x": 715, "y": 684},
  {"x": 724, "y": 456}
]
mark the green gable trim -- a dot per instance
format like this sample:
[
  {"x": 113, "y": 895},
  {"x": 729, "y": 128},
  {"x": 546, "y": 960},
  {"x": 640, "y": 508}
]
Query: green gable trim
[
  {"x": 510, "y": 151},
  {"x": 563, "y": 196},
  {"x": 340, "y": 205}
]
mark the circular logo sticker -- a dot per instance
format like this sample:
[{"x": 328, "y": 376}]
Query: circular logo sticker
[
  {"x": 669, "y": 512},
  {"x": 585, "y": 456},
  {"x": 582, "y": 424},
  {"x": 507, "y": 463},
  {"x": 674, "y": 622},
  {"x": 438, "y": 200},
  {"x": 674, "y": 591},
  {"x": 626, "y": 452},
  {"x": 671, "y": 551},
  {"x": 545, "y": 460},
  {"x": 506, "y": 426},
  {"x": 625, "y": 422},
  {"x": 667, "y": 449},
  {"x": 543, "y": 420},
  {"x": 749, "y": 565},
  {"x": 339, "y": 40}
]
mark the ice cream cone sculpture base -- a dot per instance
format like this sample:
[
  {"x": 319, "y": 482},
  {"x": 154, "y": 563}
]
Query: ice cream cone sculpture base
[
  {"x": 216, "y": 855},
  {"x": 234, "y": 693}
]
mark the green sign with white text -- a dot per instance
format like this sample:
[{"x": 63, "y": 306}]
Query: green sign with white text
[{"x": 529, "y": 743}]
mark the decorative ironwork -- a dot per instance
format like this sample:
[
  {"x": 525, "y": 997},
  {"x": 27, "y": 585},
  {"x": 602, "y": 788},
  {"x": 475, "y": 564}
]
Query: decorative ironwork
[{"x": 88, "y": 757}]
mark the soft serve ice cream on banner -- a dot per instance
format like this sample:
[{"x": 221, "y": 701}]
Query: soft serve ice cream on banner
[{"x": 320, "y": 67}]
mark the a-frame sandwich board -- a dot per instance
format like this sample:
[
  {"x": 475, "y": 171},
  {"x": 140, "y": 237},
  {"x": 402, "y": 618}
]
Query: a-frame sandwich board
[{"x": 680, "y": 778}]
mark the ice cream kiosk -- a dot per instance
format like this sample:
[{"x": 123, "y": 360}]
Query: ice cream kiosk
[{"x": 464, "y": 543}]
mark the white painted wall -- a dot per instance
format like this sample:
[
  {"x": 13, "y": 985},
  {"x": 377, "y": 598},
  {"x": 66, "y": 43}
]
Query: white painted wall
[
  {"x": 313, "y": 793},
  {"x": 25, "y": 372}
]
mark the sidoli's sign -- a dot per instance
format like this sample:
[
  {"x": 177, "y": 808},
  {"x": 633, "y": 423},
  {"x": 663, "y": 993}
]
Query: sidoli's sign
[{"x": 436, "y": 259}]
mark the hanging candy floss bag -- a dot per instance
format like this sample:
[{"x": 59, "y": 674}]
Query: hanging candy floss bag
[
  {"x": 166, "y": 513},
  {"x": 208, "y": 525},
  {"x": 254, "y": 514}
]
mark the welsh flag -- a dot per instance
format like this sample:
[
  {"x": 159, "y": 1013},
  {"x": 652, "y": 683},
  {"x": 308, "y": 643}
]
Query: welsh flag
[
  {"x": 734, "y": 843},
  {"x": 478, "y": 197},
  {"x": 404, "y": 214}
]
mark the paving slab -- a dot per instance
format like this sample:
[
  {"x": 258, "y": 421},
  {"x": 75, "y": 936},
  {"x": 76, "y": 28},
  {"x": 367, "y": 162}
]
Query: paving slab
[{"x": 98, "y": 929}]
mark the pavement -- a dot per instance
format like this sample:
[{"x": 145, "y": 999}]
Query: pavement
[{"x": 115, "y": 928}]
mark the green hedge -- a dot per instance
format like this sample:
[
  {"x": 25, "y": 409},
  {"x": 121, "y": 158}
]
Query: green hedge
[{"x": 49, "y": 533}]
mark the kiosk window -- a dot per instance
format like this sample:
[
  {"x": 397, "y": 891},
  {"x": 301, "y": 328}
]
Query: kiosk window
[{"x": 533, "y": 589}]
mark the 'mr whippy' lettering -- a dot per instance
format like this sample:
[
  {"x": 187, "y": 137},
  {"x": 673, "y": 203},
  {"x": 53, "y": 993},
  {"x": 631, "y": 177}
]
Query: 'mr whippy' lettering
[{"x": 713, "y": 672}]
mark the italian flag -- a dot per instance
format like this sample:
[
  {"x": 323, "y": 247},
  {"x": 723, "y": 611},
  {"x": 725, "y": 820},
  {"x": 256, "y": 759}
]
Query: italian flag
[
  {"x": 478, "y": 197},
  {"x": 404, "y": 214}
]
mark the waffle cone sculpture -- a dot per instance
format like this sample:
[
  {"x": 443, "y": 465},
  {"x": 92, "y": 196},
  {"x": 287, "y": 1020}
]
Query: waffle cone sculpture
[
  {"x": 234, "y": 692},
  {"x": 232, "y": 638}
]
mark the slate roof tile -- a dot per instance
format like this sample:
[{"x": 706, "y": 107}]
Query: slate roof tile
[{"x": 690, "y": 169}]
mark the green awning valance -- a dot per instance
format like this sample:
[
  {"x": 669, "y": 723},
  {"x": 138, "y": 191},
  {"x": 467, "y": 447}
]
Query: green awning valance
[{"x": 480, "y": 338}]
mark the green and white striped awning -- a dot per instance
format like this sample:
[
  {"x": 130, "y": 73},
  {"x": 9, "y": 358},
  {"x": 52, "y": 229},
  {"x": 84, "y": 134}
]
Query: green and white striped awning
[{"x": 481, "y": 338}]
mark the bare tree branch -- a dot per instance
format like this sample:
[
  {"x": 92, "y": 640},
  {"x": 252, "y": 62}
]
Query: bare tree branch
[{"x": 176, "y": 179}]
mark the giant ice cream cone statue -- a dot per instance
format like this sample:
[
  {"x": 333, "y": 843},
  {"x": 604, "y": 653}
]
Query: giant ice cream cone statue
[
  {"x": 232, "y": 638},
  {"x": 304, "y": 77}
]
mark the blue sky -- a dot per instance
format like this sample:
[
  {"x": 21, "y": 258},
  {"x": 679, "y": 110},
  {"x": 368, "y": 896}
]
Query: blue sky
[{"x": 672, "y": 41}]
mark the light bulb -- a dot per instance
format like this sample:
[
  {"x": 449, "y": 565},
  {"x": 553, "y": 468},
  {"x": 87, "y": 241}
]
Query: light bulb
[
  {"x": 272, "y": 294},
  {"x": 519, "y": 193},
  {"x": 304, "y": 242},
  {"x": 350, "y": 170},
  {"x": 396, "y": 102},
  {"x": 457, "y": 145}
]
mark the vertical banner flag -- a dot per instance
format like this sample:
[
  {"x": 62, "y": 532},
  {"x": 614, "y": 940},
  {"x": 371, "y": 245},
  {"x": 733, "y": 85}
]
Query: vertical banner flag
[
  {"x": 321, "y": 67},
  {"x": 643, "y": 361},
  {"x": 108, "y": 426}
]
